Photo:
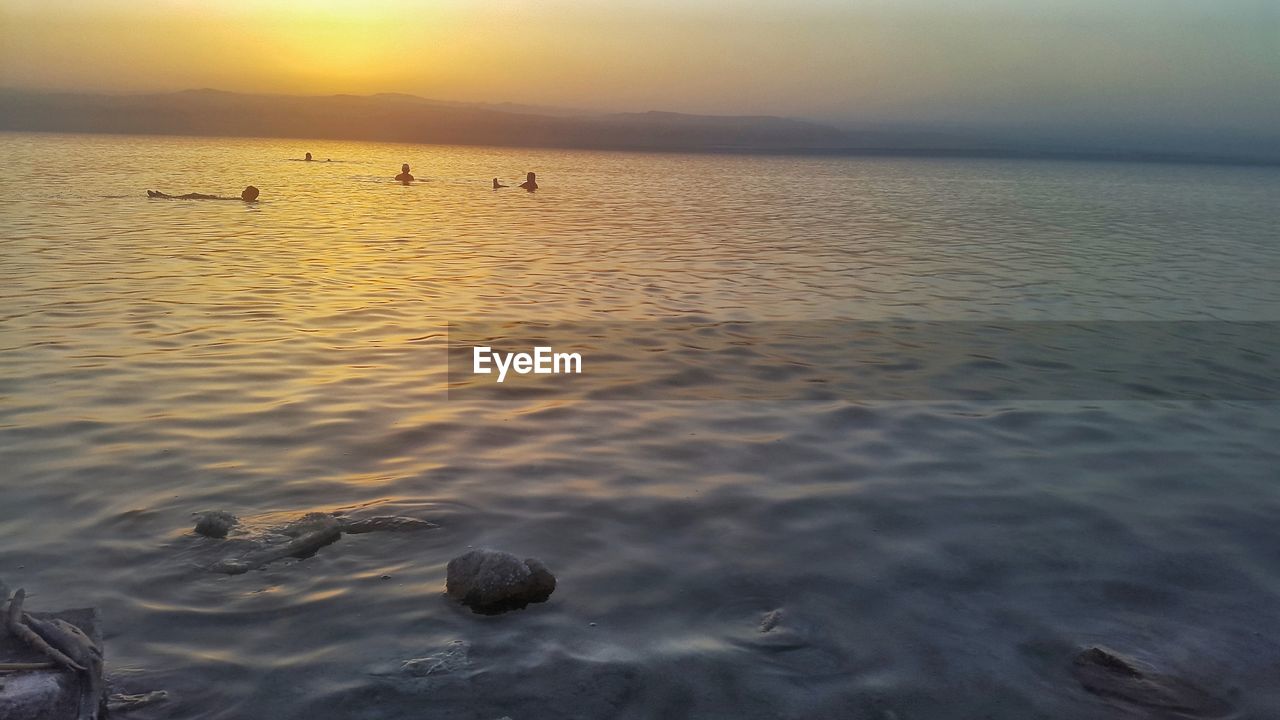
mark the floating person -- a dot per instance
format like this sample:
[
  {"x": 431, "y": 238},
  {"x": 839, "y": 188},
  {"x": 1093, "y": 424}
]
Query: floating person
[
  {"x": 497, "y": 184},
  {"x": 530, "y": 183},
  {"x": 249, "y": 194},
  {"x": 308, "y": 157},
  {"x": 404, "y": 175}
]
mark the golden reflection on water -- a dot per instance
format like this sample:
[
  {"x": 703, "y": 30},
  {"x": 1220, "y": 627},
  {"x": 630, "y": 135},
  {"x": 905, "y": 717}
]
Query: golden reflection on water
[{"x": 159, "y": 358}]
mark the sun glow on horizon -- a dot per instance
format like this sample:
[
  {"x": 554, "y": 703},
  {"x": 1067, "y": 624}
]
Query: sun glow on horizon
[
  {"x": 1143, "y": 61},
  {"x": 320, "y": 56}
]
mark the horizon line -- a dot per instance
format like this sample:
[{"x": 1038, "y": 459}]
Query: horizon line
[{"x": 430, "y": 121}]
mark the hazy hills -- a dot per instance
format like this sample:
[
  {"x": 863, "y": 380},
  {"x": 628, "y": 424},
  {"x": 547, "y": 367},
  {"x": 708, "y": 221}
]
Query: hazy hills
[
  {"x": 398, "y": 118},
  {"x": 406, "y": 118}
]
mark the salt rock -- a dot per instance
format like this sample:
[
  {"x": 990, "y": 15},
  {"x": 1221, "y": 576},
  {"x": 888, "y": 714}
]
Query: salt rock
[
  {"x": 39, "y": 696},
  {"x": 216, "y": 524},
  {"x": 492, "y": 582},
  {"x": 313, "y": 522},
  {"x": 453, "y": 657},
  {"x": 1118, "y": 678}
]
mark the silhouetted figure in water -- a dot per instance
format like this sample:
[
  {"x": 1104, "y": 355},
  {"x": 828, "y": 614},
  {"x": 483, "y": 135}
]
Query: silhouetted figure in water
[
  {"x": 308, "y": 157},
  {"x": 497, "y": 184},
  {"x": 530, "y": 183},
  {"x": 404, "y": 175},
  {"x": 250, "y": 194}
]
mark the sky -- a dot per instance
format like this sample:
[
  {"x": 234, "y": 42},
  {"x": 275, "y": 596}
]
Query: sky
[{"x": 1204, "y": 64}]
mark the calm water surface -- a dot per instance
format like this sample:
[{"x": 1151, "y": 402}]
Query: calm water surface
[{"x": 932, "y": 559}]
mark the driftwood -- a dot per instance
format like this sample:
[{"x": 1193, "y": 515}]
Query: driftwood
[
  {"x": 67, "y": 646},
  {"x": 67, "y": 638},
  {"x": 19, "y": 628},
  {"x": 72, "y": 641},
  {"x": 120, "y": 703}
]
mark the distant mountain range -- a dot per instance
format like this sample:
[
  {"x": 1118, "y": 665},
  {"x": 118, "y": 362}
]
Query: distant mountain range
[{"x": 410, "y": 119}]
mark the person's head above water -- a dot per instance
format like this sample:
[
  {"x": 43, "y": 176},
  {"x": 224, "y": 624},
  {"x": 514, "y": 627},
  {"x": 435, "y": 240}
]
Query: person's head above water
[
  {"x": 308, "y": 156},
  {"x": 250, "y": 194},
  {"x": 404, "y": 168}
]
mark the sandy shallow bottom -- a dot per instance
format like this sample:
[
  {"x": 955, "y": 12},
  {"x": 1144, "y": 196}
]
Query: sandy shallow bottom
[{"x": 916, "y": 559}]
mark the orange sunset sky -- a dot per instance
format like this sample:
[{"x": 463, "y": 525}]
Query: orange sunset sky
[{"x": 1197, "y": 63}]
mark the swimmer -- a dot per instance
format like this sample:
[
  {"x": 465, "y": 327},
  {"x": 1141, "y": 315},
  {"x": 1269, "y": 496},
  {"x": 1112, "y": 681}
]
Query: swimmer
[
  {"x": 497, "y": 184},
  {"x": 530, "y": 183},
  {"x": 308, "y": 157},
  {"x": 404, "y": 175},
  {"x": 250, "y": 194}
]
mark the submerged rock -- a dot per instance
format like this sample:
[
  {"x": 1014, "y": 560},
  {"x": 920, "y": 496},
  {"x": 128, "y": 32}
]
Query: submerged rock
[
  {"x": 770, "y": 620},
  {"x": 39, "y": 696},
  {"x": 312, "y": 522},
  {"x": 1117, "y": 678},
  {"x": 122, "y": 703},
  {"x": 778, "y": 631},
  {"x": 455, "y": 656},
  {"x": 383, "y": 523},
  {"x": 216, "y": 524},
  {"x": 541, "y": 582},
  {"x": 306, "y": 534},
  {"x": 303, "y": 546},
  {"x": 491, "y": 581}
]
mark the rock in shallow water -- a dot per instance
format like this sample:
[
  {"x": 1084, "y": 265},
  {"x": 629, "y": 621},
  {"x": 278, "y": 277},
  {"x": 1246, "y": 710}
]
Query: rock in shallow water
[
  {"x": 1117, "y": 678},
  {"x": 303, "y": 546},
  {"x": 383, "y": 523},
  {"x": 770, "y": 620},
  {"x": 491, "y": 581},
  {"x": 309, "y": 533},
  {"x": 312, "y": 522},
  {"x": 216, "y": 524},
  {"x": 453, "y": 657}
]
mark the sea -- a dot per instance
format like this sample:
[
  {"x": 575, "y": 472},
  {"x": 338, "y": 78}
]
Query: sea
[{"x": 825, "y": 457}]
